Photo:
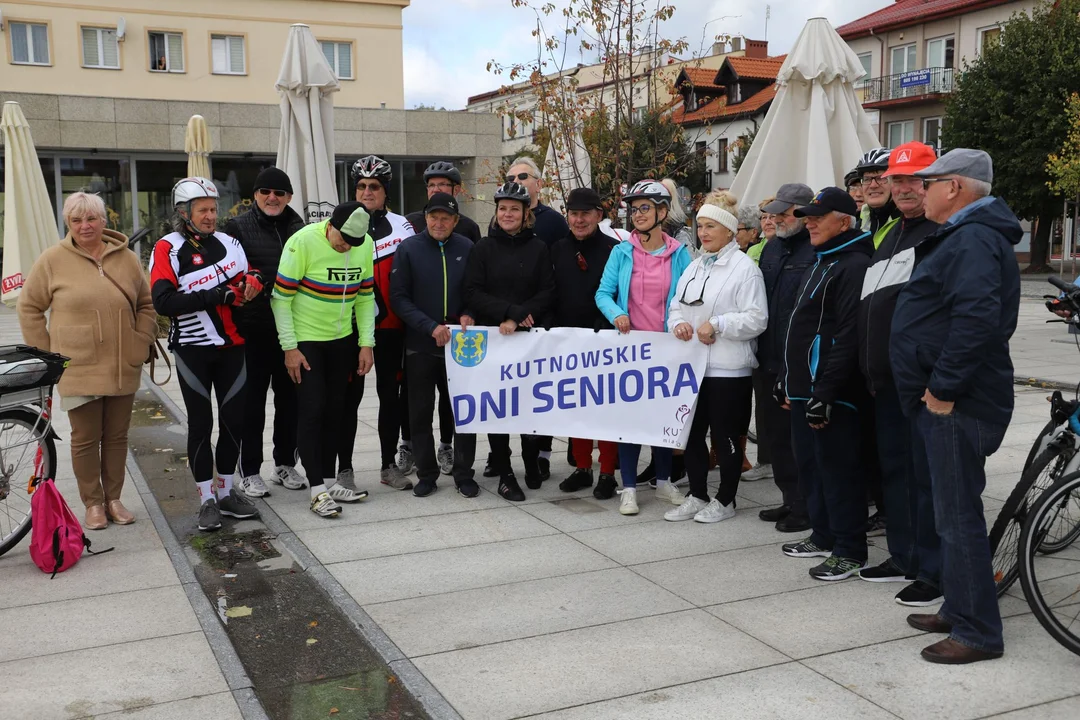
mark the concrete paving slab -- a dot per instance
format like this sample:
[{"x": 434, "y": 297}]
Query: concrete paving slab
[
  {"x": 220, "y": 706},
  {"x": 442, "y": 571},
  {"x": 1067, "y": 709},
  {"x": 574, "y": 512},
  {"x": 83, "y": 623},
  {"x": 1035, "y": 669},
  {"x": 560, "y": 670},
  {"x": 437, "y": 532},
  {"x": 772, "y": 693},
  {"x": 507, "y": 612}
]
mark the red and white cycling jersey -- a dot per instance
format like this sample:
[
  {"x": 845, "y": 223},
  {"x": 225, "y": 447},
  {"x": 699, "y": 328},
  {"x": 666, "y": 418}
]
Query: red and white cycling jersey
[{"x": 387, "y": 230}]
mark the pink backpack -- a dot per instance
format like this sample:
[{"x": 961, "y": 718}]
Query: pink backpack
[{"x": 56, "y": 537}]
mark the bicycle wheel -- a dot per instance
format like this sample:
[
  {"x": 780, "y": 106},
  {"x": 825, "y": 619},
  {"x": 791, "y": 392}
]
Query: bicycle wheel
[
  {"x": 1063, "y": 527},
  {"x": 1051, "y": 583},
  {"x": 22, "y": 434},
  {"x": 1040, "y": 443},
  {"x": 1005, "y": 533}
]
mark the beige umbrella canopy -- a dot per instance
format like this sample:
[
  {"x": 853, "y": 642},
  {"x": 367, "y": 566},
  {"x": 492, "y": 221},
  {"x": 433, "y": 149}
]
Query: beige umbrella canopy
[
  {"x": 29, "y": 217},
  {"x": 197, "y": 147}
]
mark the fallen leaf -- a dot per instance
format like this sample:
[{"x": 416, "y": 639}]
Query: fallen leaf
[
  {"x": 311, "y": 641},
  {"x": 238, "y": 611},
  {"x": 334, "y": 711},
  {"x": 313, "y": 623}
]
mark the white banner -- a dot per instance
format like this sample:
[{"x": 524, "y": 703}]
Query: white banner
[{"x": 568, "y": 382}]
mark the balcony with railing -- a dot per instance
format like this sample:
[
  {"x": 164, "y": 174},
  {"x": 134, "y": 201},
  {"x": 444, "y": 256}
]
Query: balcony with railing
[{"x": 914, "y": 86}]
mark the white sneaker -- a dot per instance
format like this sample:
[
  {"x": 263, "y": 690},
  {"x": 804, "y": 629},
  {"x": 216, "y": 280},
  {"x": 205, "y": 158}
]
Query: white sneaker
[
  {"x": 346, "y": 478},
  {"x": 670, "y": 493},
  {"x": 689, "y": 508},
  {"x": 715, "y": 512},
  {"x": 404, "y": 459},
  {"x": 324, "y": 506},
  {"x": 758, "y": 472},
  {"x": 253, "y": 486},
  {"x": 445, "y": 456},
  {"x": 628, "y": 504},
  {"x": 288, "y": 476},
  {"x": 346, "y": 494}
]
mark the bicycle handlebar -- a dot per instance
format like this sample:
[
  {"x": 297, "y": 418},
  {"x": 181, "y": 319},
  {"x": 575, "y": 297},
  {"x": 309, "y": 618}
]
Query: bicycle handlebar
[{"x": 1065, "y": 287}]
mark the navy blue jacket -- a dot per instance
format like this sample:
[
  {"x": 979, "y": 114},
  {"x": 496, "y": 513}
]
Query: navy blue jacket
[
  {"x": 954, "y": 318},
  {"x": 783, "y": 263},
  {"x": 550, "y": 225},
  {"x": 822, "y": 346},
  {"x": 427, "y": 286}
]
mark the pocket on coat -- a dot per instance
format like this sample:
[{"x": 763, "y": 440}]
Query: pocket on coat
[
  {"x": 78, "y": 342},
  {"x": 135, "y": 349}
]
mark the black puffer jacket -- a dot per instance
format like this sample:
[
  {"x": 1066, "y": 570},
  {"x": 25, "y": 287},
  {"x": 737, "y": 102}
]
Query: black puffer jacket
[
  {"x": 427, "y": 286},
  {"x": 465, "y": 226},
  {"x": 575, "y": 287},
  {"x": 262, "y": 238},
  {"x": 822, "y": 346},
  {"x": 509, "y": 277},
  {"x": 783, "y": 263}
]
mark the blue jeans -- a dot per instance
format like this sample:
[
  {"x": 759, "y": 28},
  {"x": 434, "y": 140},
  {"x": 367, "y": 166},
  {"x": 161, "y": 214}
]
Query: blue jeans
[
  {"x": 628, "y": 459},
  {"x": 956, "y": 450},
  {"x": 831, "y": 480},
  {"x": 905, "y": 479}
]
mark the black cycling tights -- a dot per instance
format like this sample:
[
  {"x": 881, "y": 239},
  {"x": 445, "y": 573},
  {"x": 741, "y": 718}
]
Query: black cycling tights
[{"x": 200, "y": 369}]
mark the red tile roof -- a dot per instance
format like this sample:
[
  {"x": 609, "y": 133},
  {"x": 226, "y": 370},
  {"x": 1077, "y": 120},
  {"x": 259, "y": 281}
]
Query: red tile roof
[
  {"x": 904, "y": 13},
  {"x": 702, "y": 78},
  {"x": 719, "y": 109},
  {"x": 756, "y": 68}
]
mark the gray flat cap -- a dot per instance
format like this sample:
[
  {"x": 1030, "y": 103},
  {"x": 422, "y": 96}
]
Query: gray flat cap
[
  {"x": 974, "y": 164},
  {"x": 789, "y": 194}
]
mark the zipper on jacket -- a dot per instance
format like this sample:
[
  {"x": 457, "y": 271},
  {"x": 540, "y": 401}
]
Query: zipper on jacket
[
  {"x": 445, "y": 302},
  {"x": 787, "y": 335}
]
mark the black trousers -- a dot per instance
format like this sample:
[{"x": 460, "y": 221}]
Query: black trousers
[
  {"x": 723, "y": 407},
  {"x": 393, "y": 398},
  {"x": 762, "y": 395},
  {"x": 778, "y": 440},
  {"x": 199, "y": 370},
  {"x": 425, "y": 374},
  {"x": 500, "y": 453},
  {"x": 346, "y": 432},
  {"x": 265, "y": 369},
  {"x": 321, "y": 400}
]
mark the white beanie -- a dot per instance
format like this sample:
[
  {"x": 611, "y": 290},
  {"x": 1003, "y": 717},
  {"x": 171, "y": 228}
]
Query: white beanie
[{"x": 720, "y": 215}]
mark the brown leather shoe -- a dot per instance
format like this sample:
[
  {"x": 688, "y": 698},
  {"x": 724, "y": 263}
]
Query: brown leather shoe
[
  {"x": 95, "y": 518},
  {"x": 120, "y": 514},
  {"x": 950, "y": 652},
  {"x": 929, "y": 622}
]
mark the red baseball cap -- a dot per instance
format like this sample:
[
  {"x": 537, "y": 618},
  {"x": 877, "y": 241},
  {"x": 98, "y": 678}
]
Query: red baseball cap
[{"x": 909, "y": 158}]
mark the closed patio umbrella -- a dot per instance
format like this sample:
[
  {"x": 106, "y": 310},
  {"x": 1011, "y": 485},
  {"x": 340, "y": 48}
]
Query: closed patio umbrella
[
  {"x": 29, "y": 216},
  {"x": 816, "y": 129},
  {"x": 197, "y": 146},
  {"x": 306, "y": 143}
]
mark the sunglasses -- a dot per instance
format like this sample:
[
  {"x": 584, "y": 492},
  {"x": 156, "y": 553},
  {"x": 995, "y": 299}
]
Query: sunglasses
[
  {"x": 519, "y": 176},
  {"x": 927, "y": 182},
  {"x": 701, "y": 297},
  {"x": 582, "y": 265},
  {"x": 366, "y": 187},
  {"x": 265, "y": 192}
]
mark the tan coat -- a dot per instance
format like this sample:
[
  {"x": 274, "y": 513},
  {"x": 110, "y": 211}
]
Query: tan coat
[{"x": 90, "y": 320}]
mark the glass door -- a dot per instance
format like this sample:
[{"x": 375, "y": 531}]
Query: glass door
[
  {"x": 939, "y": 58},
  {"x": 903, "y": 60}
]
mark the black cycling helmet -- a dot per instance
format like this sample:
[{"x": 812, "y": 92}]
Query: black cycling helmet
[
  {"x": 443, "y": 169},
  {"x": 513, "y": 191},
  {"x": 852, "y": 178},
  {"x": 372, "y": 166},
  {"x": 874, "y": 160}
]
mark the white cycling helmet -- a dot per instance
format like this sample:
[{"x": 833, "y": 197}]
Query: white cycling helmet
[
  {"x": 649, "y": 190},
  {"x": 193, "y": 188}
]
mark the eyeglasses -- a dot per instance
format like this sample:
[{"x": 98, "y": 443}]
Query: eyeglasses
[
  {"x": 640, "y": 209},
  {"x": 366, "y": 187},
  {"x": 582, "y": 265},
  {"x": 440, "y": 186},
  {"x": 879, "y": 181},
  {"x": 929, "y": 181},
  {"x": 266, "y": 192},
  {"x": 701, "y": 297},
  {"x": 519, "y": 176},
  {"x": 743, "y": 228}
]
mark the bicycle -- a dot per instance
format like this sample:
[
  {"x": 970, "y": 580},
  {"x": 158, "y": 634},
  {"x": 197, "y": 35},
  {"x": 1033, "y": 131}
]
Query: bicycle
[
  {"x": 27, "y": 437},
  {"x": 1050, "y": 580}
]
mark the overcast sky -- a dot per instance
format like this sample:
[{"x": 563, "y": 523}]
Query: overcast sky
[{"x": 448, "y": 43}]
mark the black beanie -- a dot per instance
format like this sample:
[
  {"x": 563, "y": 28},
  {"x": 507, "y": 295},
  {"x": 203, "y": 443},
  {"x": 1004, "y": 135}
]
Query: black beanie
[{"x": 273, "y": 178}]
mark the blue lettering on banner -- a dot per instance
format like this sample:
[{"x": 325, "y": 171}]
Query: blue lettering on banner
[
  {"x": 658, "y": 377},
  {"x": 915, "y": 78},
  {"x": 639, "y": 386},
  {"x": 566, "y": 391},
  {"x": 590, "y": 359},
  {"x": 539, "y": 392},
  {"x": 646, "y": 351},
  {"x": 469, "y": 402},
  {"x": 504, "y": 373}
]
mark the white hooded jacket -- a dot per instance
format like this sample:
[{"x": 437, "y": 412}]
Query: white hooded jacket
[{"x": 733, "y": 300}]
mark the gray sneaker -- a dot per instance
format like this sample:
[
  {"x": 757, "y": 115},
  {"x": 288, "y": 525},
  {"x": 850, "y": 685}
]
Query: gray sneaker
[
  {"x": 209, "y": 516},
  {"x": 758, "y": 472},
  {"x": 346, "y": 479},
  {"x": 288, "y": 476},
  {"x": 404, "y": 459},
  {"x": 396, "y": 479},
  {"x": 236, "y": 505},
  {"x": 445, "y": 457}
]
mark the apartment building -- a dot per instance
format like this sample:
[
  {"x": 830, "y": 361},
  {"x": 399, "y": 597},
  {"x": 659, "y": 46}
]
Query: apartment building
[
  {"x": 913, "y": 52},
  {"x": 108, "y": 89}
]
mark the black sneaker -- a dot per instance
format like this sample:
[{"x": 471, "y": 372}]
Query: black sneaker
[
  {"x": 545, "y": 468},
  {"x": 238, "y": 506},
  {"x": 468, "y": 488},
  {"x": 648, "y": 475},
  {"x": 533, "y": 481},
  {"x": 423, "y": 488},
  {"x": 605, "y": 487},
  {"x": 774, "y": 514},
  {"x": 509, "y": 488},
  {"x": 209, "y": 516},
  {"x": 919, "y": 594},
  {"x": 805, "y": 549},
  {"x": 793, "y": 524},
  {"x": 578, "y": 480},
  {"x": 875, "y": 525},
  {"x": 836, "y": 568},
  {"x": 489, "y": 469},
  {"x": 883, "y": 573}
]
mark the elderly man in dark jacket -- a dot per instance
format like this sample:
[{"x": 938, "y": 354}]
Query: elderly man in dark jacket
[
  {"x": 783, "y": 262},
  {"x": 262, "y": 231},
  {"x": 427, "y": 291},
  {"x": 822, "y": 384},
  {"x": 950, "y": 357}
]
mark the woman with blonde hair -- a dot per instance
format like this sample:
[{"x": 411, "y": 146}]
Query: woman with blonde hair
[
  {"x": 726, "y": 314},
  {"x": 676, "y": 223},
  {"x": 100, "y": 316}
]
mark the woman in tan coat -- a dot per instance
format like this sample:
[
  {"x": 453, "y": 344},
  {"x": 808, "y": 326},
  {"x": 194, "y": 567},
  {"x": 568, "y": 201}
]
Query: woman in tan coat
[{"x": 100, "y": 316}]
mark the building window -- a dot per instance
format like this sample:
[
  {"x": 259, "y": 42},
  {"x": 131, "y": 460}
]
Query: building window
[
  {"x": 29, "y": 43},
  {"x": 989, "y": 36},
  {"x": 100, "y": 49},
  {"x": 510, "y": 127},
  {"x": 166, "y": 52},
  {"x": 940, "y": 52},
  {"x": 903, "y": 59},
  {"x": 722, "y": 155},
  {"x": 339, "y": 55},
  {"x": 932, "y": 132},
  {"x": 866, "y": 60},
  {"x": 227, "y": 53},
  {"x": 901, "y": 132}
]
